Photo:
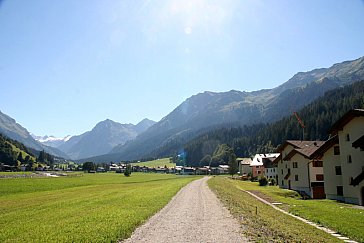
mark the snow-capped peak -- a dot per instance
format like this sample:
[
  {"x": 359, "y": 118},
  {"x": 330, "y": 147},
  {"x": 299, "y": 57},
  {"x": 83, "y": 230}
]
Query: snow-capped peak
[{"x": 51, "y": 140}]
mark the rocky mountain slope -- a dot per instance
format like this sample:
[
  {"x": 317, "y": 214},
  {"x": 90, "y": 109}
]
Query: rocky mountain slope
[
  {"x": 102, "y": 138},
  {"x": 234, "y": 107},
  {"x": 10, "y": 128}
]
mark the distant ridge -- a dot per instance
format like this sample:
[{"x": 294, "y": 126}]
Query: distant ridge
[
  {"x": 102, "y": 138},
  {"x": 235, "y": 107}
]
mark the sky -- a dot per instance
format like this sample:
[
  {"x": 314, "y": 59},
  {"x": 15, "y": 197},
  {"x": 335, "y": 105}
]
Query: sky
[{"x": 67, "y": 65}]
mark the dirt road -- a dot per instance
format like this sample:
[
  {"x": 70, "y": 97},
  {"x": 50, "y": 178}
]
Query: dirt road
[{"x": 195, "y": 214}]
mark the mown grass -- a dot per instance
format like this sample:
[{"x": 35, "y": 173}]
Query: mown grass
[
  {"x": 267, "y": 225},
  {"x": 157, "y": 163},
  {"x": 341, "y": 217},
  {"x": 92, "y": 208}
]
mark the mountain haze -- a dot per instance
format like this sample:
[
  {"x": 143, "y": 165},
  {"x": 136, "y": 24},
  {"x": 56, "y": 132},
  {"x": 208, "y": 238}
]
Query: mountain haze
[
  {"x": 209, "y": 108},
  {"x": 102, "y": 138}
]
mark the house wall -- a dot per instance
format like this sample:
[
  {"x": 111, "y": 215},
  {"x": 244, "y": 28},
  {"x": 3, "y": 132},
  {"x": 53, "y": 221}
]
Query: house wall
[
  {"x": 355, "y": 129},
  {"x": 257, "y": 170},
  {"x": 245, "y": 169},
  {"x": 302, "y": 184},
  {"x": 271, "y": 172},
  {"x": 332, "y": 181},
  {"x": 282, "y": 168}
]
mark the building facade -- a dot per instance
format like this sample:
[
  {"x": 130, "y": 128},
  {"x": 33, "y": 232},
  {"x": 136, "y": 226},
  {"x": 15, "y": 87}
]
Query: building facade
[
  {"x": 298, "y": 170},
  {"x": 343, "y": 157}
]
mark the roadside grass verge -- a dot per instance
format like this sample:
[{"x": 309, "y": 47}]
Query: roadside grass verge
[
  {"x": 92, "y": 208},
  {"x": 341, "y": 217},
  {"x": 261, "y": 222},
  {"x": 156, "y": 163}
]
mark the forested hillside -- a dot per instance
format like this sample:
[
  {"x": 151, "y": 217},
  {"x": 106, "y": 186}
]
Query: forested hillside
[
  {"x": 14, "y": 153},
  {"x": 248, "y": 140}
]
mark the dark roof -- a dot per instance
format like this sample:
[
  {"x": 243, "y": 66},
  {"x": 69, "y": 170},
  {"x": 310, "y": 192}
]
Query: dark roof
[
  {"x": 307, "y": 150},
  {"x": 339, "y": 124},
  {"x": 268, "y": 162},
  {"x": 326, "y": 146},
  {"x": 297, "y": 144},
  {"x": 359, "y": 143}
]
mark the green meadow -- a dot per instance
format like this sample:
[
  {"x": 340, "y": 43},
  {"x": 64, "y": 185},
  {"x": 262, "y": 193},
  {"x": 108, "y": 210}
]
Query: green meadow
[
  {"x": 157, "y": 163},
  {"x": 268, "y": 225},
  {"x": 102, "y": 207}
]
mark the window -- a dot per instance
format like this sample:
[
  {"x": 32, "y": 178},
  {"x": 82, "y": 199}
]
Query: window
[
  {"x": 257, "y": 167},
  {"x": 339, "y": 191},
  {"x": 282, "y": 171},
  {"x": 347, "y": 137},
  {"x": 317, "y": 164},
  {"x": 338, "y": 170},
  {"x": 282, "y": 183},
  {"x": 259, "y": 172},
  {"x": 349, "y": 159},
  {"x": 336, "y": 150},
  {"x": 295, "y": 164},
  {"x": 319, "y": 177},
  {"x": 296, "y": 177}
]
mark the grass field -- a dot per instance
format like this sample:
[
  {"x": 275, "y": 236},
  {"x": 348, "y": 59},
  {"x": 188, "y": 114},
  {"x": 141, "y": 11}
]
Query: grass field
[
  {"x": 157, "y": 163},
  {"x": 338, "y": 216},
  {"x": 89, "y": 208},
  {"x": 263, "y": 223}
]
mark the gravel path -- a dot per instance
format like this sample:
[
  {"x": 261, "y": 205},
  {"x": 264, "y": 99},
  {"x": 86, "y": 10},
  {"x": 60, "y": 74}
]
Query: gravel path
[{"x": 195, "y": 214}]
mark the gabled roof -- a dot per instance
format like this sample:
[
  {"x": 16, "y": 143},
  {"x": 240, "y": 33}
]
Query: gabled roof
[
  {"x": 338, "y": 125},
  {"x": 296, "y": 144},
  {"x": 326, "y": 146},
  {"x": 244, "y": 161},
  {"x": 359, "y": 143},
  {"x": 258, "y": 158},
  {"x": 307, "y": 150}
]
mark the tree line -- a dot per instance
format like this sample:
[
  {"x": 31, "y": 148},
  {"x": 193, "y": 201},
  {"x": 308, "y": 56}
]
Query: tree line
[{"x": 248, "y": 140}]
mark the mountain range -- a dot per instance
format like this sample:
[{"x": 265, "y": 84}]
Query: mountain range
[
  {"x": 209, "y": 109},
  {"x": 112, "y": 141},
  {"x": 100, "y": 140}
]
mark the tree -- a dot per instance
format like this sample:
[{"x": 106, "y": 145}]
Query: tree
[
  {"x": 42, "y": 156},
  {"x": 20, "y": 157},
  {"x": 233, "y": 165},
  {"x": 88, "y": 166},
  {"x": 127, "y": 171}
]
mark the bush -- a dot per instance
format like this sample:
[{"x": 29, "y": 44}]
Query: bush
[
  {"x": 272, "y": 182},
  {"x": 263, "y": 181}
]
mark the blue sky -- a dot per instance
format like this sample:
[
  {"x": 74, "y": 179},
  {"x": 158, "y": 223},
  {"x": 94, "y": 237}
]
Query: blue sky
[{"x": 66, "y": 65}]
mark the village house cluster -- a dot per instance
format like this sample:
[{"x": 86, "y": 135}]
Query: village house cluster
[{"x": 332, "y": 169}]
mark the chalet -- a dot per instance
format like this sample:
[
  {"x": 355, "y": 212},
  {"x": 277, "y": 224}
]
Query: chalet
[
  {"x": 257, "y": 164},
  {"x": 244, "y": 166},
  {"x": 343, "y": 159},
  {"x": 298, "y": 170}
]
